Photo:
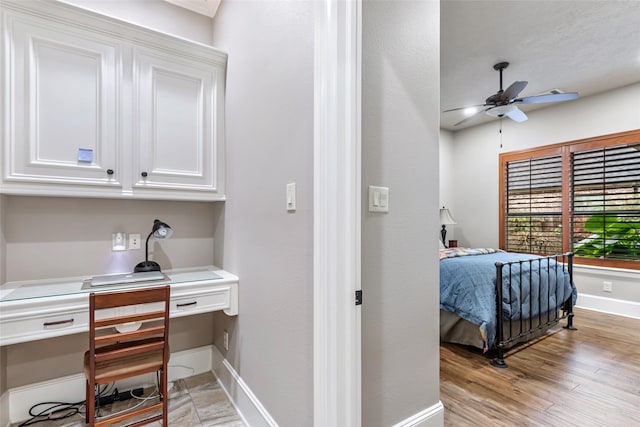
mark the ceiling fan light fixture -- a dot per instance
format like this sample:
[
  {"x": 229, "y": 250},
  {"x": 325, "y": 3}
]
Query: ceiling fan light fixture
[{"x": 501, "y": 110}]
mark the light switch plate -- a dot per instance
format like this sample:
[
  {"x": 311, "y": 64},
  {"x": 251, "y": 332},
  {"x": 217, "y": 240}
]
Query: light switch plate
[{"x": 378, "y": 199}]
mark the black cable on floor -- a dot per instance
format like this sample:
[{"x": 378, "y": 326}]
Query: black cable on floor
[{"x": 56, "y": 410}]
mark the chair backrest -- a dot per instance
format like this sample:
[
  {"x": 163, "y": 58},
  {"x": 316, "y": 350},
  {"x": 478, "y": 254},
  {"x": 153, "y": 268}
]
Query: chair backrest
[{"x": 141, "y": 317}]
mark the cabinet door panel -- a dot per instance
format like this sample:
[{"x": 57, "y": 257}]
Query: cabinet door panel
[
  {"x": 178, "y": 108},
  {"x": 64, "y": 106},
  {"x": 175, "y": 110}
]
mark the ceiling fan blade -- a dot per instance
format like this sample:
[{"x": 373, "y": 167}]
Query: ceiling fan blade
[
  {"x": 512, "y": 91},
  {"x": 473, "y": 116},
  {"x": 551, "y": 97},
  {"x": 464, "y": 108},
  {"x": 517, "y": 115}
]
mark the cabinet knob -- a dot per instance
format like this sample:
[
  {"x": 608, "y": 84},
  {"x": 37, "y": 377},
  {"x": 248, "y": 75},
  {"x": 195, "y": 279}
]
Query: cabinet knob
[
  {"x": 109, "y": 171},
  {"x": 144, "y": 174}
]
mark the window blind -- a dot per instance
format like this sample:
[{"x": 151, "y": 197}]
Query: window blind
[
  {"x": 605, "y": 202},
  {"x": 534, "y": 205}
]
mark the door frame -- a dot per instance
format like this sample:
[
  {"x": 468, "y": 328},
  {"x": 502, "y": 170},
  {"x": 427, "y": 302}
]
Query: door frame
[{"x": 337, "y": 213}]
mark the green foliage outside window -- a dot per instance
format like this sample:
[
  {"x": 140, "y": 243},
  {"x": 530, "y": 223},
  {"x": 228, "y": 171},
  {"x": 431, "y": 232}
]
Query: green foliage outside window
[{"x": 610, "y": 236}]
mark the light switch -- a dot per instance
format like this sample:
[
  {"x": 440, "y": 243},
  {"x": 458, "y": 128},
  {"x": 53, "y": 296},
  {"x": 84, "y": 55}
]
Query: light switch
[
  {"x": 378, "y": 199},
  {"x": 291, "y": 197}
]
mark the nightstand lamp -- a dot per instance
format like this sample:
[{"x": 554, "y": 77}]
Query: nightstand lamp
[
  {"x": 445, "y": 219},
  {"x": 160, "y": 231}
]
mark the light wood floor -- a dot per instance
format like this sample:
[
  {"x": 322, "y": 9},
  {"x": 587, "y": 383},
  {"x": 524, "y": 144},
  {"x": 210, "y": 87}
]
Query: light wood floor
[{"x": 588, "y": 377}]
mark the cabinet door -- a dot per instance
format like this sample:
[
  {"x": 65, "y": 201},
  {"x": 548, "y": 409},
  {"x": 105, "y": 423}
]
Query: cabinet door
[
  {"x": 176, "y": 133},
  {"x": 62, "y": 105}
]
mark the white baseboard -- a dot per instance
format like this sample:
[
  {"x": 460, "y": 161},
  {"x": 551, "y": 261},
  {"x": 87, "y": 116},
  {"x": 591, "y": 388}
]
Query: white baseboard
[
  {"x": 429, "y": 417},
  {"x": 251, "y": 410},
  {"x": 15, "y": 402},
  {"x": 609, "y": 305}
]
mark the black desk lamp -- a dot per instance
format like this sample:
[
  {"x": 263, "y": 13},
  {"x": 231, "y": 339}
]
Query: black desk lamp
[{"x": 160, "y": 231}]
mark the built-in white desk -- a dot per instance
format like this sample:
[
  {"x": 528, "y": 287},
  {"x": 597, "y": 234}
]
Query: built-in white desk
[{"x": 33, "y": 310}]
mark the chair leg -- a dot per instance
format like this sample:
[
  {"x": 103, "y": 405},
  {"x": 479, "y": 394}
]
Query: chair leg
[
  {"x": 165, "y": 396},
  {"x": 86, "y": 404},
  {"x": 90, "y": 403}
]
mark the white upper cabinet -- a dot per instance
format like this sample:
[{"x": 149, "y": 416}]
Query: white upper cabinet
[
  {"x": 60, "y": 107},
  {"x": 95, "y": 107},
  {"x": 174, "y": 123}
]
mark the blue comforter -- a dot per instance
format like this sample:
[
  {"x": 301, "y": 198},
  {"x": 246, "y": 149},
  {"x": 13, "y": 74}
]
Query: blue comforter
[{"x": 467, "y": 288}]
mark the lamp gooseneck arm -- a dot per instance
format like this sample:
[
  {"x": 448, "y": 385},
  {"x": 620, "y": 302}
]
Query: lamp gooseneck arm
[{"x": 146, "y": 248}]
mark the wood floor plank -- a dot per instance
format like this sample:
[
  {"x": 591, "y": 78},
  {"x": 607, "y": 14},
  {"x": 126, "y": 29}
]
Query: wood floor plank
[{"x": 588, "y": 377}]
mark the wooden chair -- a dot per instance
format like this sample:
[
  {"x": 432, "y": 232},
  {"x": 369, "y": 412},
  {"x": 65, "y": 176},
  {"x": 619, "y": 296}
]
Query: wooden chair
[{"x": 113, "y": 355}]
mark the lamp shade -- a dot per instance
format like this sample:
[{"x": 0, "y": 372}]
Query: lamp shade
[
  {"x": 445, "y": 217},
  {"x": 161, "y": 230}
]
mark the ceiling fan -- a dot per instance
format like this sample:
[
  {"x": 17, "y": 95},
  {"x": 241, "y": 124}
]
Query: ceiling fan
[{"x": 504, "y": 103}]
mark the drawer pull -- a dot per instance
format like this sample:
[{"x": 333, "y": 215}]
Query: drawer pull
[
  {"x": 186, "y": 304},
  {"x": 58, "y": 322}
]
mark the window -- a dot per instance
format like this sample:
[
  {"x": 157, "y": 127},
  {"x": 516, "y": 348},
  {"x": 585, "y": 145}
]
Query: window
[
  {"x": 582, "y": 196},
  {"x": 534, "y": 205}
]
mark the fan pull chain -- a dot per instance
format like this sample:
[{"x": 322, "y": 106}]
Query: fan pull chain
[{"x": 500, "y": 131}]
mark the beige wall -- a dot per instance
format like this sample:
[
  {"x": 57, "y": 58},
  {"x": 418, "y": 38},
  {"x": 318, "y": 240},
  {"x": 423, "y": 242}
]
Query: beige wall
[
  {"x": 400, "y": 111},
  {"x": 447, "y": 169},
  {"x": 269, "y": 131},
  {"x": 51, "y": 237},
  {"x": 156, "y": 14}
]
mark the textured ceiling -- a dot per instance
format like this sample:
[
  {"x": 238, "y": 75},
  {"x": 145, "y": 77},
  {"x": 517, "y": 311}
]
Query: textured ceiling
[{"x": 583, "y": 46}]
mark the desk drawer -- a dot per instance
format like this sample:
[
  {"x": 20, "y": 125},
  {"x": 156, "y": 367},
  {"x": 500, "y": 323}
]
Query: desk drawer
[
  {"x": 37, "y": 327},
  {"x": 184, "y": 305}
]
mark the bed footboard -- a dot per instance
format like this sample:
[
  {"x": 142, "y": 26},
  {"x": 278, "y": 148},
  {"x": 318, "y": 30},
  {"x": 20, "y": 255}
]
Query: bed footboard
[{"x": 510, "y": 330}]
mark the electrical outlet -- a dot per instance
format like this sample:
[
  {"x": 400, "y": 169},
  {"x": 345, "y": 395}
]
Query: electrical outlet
[
  {"x": 225, "y": 340},
  {"x": 607, "y": 286},
  {"x": 134, "y": 241}
]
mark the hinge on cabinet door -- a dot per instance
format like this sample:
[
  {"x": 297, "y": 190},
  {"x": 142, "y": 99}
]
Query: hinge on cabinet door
[{"x": 359, "y": 297}]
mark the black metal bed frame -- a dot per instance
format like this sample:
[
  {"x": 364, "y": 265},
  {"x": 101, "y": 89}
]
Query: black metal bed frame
[{"x": 543, "y": 320}]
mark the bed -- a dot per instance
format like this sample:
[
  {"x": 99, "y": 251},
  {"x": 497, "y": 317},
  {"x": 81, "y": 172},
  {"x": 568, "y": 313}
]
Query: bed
[{"x": 535, "y": 293}]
